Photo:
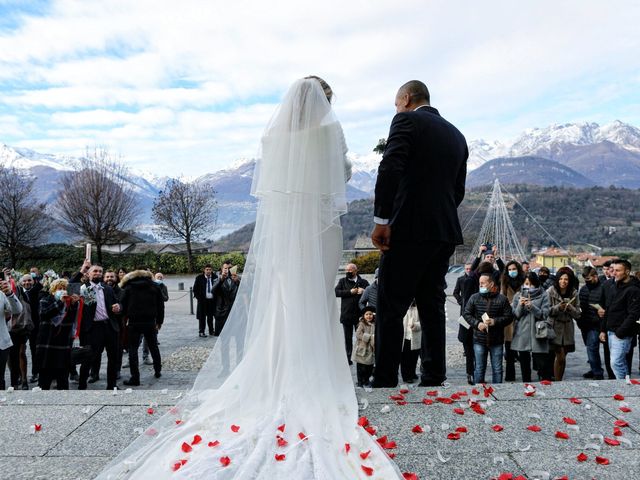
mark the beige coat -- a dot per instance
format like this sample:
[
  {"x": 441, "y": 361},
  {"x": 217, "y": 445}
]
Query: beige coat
[
  {"x": 363, "y": 353},
  {"x": 412, "y": 328}
]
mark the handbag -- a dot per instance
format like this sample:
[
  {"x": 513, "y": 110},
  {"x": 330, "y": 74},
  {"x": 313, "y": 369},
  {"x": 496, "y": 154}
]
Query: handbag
[
  {"x": 544, "y": 332},
  {"x": 22, "y": 323}
]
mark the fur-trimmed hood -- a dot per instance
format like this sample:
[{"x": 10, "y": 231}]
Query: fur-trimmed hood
[{"x": 135, "y": 274}]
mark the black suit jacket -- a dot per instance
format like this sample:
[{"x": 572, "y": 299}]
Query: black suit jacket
[
  {"x": 349, "y": 305},
  {"x": 200, "y": 286},
  {"x": 89, "y": 311},
  {"x": 421, "y": 178}
]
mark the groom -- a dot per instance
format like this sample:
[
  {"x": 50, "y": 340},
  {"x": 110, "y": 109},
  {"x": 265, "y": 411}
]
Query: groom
[{"x": 421, "y": 181}]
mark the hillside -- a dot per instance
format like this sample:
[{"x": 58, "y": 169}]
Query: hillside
[{"x": 606, "y": 217}]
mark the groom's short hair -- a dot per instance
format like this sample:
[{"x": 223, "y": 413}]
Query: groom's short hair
[{"x": 416, "y": 89}]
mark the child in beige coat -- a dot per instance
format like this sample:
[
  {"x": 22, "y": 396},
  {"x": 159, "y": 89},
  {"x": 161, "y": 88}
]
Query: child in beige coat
[{"x": 363, "y": 354}]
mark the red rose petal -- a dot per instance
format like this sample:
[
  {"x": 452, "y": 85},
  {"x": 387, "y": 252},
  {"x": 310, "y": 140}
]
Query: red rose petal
[
  {"x": 364, "y": 455},
  {"x": 602, "y": 460},
  {"x": 225, "y": 461},
  {"x": 176, "y": 466},
  {"x": 213, "y": 444},
  {"x": 38, "y": 427},
  {"x": 363, "y": 421},
  {"x": 458, "y": 411},
  {"x": 186, "y": 448},
  {"x": 235, "y": 428},
  {"x": 475, "y": 391},
  {"x": 455, "y": 396},
  {"x": 497, "y": 428},
  {"x": 618, "y": 397},
  {"x": 611, "y": 441},
  {"x": 417, "y": 429},
  {"x": 534, "y": 428},
  {"x": 302, "y": 436},
  {"x": 347, "y": 447},
  {"x": 582, "y": 457},
  {"x": 621, "y": 423},
  {"x": 453, "y": 436},
  {"x": 391, "y": 455},
  {"x": 404, "y": 391},
  {"x": 281, "y": 428},
  {"x": 617, "y": 432},
  {"x": 281, "y": 441},
  {"x": 280, "y": 457},
  {"x": 196, "y": 440},
  {"x": 371, "y": 430},
  {"x": 150, "y": 411},
  {"x": 427, "y": 401},
  {"x": 409, "y": 476},
  {"x": 397, "y": 397},
  {"x": 575, "y": 400},
  {"x": 635, "y": 381},
  {"x": 625, "y": 409},
  {"x": 382, "y": 440},
  {"x": 390, "y": 445},
  {"x": 401, "y": 402},
  {"x": 367, "y": 470},
  {"x": 432, "y": 393},
  {"x": 562, "y": 435},
  {"x": 445, "y": 400},
  {"x": 531, "y": 393},
  {"x": 505, "y": 476},
  {"x": 569, "y": 421},
  {"x": 545, "y": 382},
  {"x": 478, "y": 409},
  {"x": 178, "y": 422},
  {"x": 461, "y": 429}
]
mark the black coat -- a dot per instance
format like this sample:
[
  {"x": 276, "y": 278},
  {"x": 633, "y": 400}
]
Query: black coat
[
  {"x": 89, "y": 310},
  {"x": 349, "y": 308},
  {"x": 589, "y": 295},
  {"x": 32, "y": 297},
  {"x": 142, "y": 301},
  {"x": 421, "y": 178},
  {"x": 497, "y": 307},
  {"x": 225, "y": 295},
  {"x": 53, "y": 346},
  {"x": 623, "y": 309},
  {"x": 200, "y": 293}
]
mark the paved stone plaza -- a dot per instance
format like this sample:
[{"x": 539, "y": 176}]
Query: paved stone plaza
[{"x": 81, "y": 431}]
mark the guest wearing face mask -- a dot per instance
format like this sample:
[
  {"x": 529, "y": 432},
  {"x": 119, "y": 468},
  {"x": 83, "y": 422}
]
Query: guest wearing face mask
[
  {"x": 31, "y": 293},
  {"x": 58, "y": 317},
  {"x": 591, "y": 299},
  {"x": 349, "y": 289},
  {"x": 510, "y": 283},
  {"x": 531, "y": 306},
  {"x": 546, "y": 279}
]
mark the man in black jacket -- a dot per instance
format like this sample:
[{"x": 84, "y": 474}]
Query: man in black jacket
[
  {"x": 31, "y": 292},
  {"x": 204, "y": 288},
  {"x": 143, "y": 306},
  {"x": 591, "y": 296},
  {"x": 100, "y": 326},
  {"x": 225, "y": 295},
  {"x": 619, "y": 326},
  {"x": 421, "y": 182},
  {"x": 349, "y": 289}
]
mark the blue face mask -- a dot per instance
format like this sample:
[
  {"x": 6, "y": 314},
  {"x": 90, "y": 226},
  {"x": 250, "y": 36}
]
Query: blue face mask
[
  {"x": 59, "y": 294},
  {"x": 484, "y": 290},
  {"x": 34, "y": 275},
  {"x": 513, "y": 273}
]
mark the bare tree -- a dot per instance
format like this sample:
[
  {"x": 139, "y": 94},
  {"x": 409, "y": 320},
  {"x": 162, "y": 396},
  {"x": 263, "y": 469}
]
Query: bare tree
[
  {"x": 185, "y": 211},
  {"x": 97, "y": 200},
  {"x": 23, "y": 221}
]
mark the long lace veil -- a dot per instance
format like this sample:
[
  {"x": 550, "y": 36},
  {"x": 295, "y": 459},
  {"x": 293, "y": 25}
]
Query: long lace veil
[{"x": 278, "y": 371}]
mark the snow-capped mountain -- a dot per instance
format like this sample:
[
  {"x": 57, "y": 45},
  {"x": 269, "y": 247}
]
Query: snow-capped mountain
[{"x": 551, "y": 142}]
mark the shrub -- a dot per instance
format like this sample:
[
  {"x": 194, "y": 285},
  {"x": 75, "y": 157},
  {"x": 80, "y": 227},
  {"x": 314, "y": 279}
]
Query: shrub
[{"x": 368, "y": 262}]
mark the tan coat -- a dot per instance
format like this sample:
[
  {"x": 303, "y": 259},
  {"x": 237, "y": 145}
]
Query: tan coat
[
  {"x": 509, "y": 293},
  {"x": 412, "y": 328},
  {"x": 363, "y": 353}
]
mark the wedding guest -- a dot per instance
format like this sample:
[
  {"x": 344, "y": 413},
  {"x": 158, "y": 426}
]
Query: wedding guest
[
  {"x": 225, "y": 295},
  {"x": 526, "y": 267},
  {"x": 510, "y": 283},
  {"x": 531, "y": 306},
  {"x": 488, "y": 312},
  {"x": 58, "y": 321},
  {"x": 350, "y": 289},
  {"x": 159, "y": 279},
  {"x": 204, "y": 288},
  {"x": 31, "y": 293},
  {"x": 143, "y": 305},
  {"x": 590, "y": 296},
  {"x": 370, "y": 295},
  {"x": 111, "y": 279},
  {"x": 565, "y": 309},
  {"x": 121, "y": 273},
  {"x": 411, "y": 345},
  {"x": 363, "y": 354},
  {"x": 8, "y": 303}
]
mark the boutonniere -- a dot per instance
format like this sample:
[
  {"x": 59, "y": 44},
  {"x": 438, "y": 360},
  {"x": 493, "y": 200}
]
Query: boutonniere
[{"x": 88, "y": 294}]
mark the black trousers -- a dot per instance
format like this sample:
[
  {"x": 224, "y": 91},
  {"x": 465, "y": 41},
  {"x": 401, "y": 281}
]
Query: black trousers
[
  {"x": 408, "y": 362},
  {"x": 100, "y": 337},
  {"x": 206, "y": 315},
  {"x": 363, "y": 372},
  {"x": 136, "y": 331},
  {"x": 19, "y": 342},
  {"x": 47, "y": 375},
  {"x": 33, "y": 340},
  {"x": 540, "y": 364},
  {"x": 469, "y": 354},
  {"x": 510, "y": 356},
  {"x": 4, "y": 356},
  {"x": 220, "y": 320},
  {"x": 349, "y": 330},
  {"x": 411, "y": 270}
]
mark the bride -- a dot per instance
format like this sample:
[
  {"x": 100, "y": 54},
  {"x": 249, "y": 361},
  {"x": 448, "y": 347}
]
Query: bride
[{"x": 275, "y": 399}]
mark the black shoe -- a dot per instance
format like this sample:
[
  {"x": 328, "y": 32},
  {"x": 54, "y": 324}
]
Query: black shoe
[
  {"x": 470, "y": 379},
  {"x": 34, "y": 378},
  {"x": 350, "y": 362},
  {"x": 93, "y": 379},
  {"x": 82, "y": 386},
  {"x": 379, "y": 384},
  {"x": 589, "y": 374},
  {"x": 132, "y": 382},
  {"x": 598, "y": 377},
  {"x": 430, "y": 383},
  {"x": 202, "y": 335},
  {"x": 157, "y": 374},
  {"x": 24, "y": 386}
]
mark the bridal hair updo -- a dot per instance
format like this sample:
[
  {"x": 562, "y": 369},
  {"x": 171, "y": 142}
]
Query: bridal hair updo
[{"x": 325, "y": 86}]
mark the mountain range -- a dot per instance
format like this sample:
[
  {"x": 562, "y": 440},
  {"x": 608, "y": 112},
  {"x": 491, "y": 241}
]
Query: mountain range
[{"x": 574, "y": 154}]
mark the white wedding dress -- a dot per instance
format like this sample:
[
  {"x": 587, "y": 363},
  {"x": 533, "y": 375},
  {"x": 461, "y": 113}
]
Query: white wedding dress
[{"x": 275, "y": 400}]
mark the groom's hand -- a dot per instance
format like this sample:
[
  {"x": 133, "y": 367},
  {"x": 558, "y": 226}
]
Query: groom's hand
[{"x": 381, "y": 237}]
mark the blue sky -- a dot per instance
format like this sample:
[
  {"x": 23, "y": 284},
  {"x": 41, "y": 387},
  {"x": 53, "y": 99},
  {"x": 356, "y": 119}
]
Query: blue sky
[{"x": 187, "y": 87}]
